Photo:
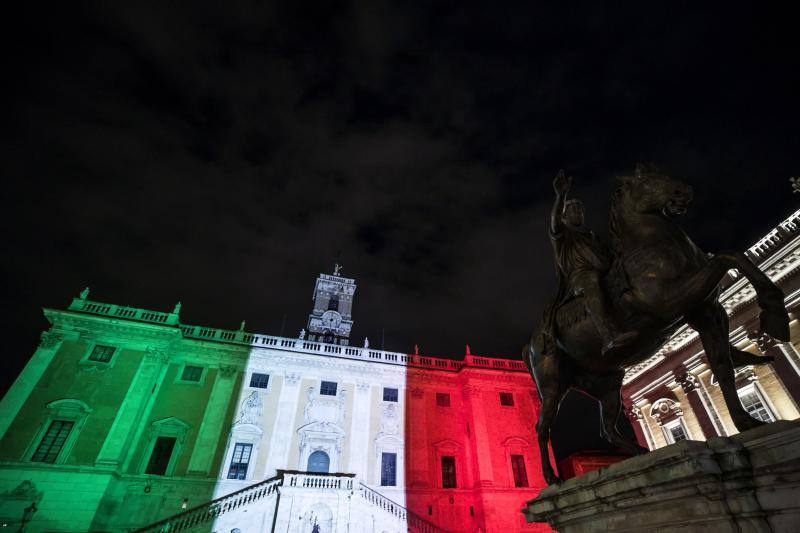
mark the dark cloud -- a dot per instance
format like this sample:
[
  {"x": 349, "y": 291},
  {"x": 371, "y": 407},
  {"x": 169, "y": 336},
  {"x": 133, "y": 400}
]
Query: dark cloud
[{"x": 225, "y": 157}]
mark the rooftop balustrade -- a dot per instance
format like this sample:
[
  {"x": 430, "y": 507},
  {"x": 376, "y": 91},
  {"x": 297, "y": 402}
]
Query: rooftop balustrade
[{"x": 257, "y": 340}]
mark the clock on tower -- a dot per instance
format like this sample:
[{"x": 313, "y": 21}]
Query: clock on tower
[{"x": 331, "y": 320}]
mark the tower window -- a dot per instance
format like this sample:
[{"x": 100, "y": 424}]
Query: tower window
[
  {"x": 518, "y": 468},
  {"x": 389, "y": 395},
  {"x": 388, "y": 469},
  {"x": 101, "y": 354},
  {"x": 239, "y": 461},
  {"x": 160, "y": 456},
  {"x": 443, "y": 399},
  {"x": 507, "y": 399},
  {"x": 327, "y": 388},
  {"x": 259, "y": 381},
  {"x": 52, "y": 442},
  {"x": 192, "y": 373},
  {"x": 333, "y": 302},
  {"x": 448, "y": 472}
]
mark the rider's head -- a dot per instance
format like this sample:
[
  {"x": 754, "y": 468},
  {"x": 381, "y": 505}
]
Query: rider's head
[{"x": 573, "y": 213}]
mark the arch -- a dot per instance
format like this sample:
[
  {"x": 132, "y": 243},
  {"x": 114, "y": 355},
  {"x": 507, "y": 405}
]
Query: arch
[
  {"x": 515, "y": 441},
  {"x": 319, "y": 462}
]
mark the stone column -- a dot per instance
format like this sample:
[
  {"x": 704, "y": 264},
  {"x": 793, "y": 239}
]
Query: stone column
[
  {"x": 693, "y": 391},
  {"x": 23, "y": 386},
  {"x": 359, "y": 431},
  {"x": 200, "y": 463},
  {"x": 283, "y": 430},
  {"x": 127, "y": 423}
]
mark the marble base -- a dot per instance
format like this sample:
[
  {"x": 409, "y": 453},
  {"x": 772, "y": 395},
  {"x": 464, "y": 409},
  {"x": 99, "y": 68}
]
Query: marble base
[{"x": 746, "y": 483}]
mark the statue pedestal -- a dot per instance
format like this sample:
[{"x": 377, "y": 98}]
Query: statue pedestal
[{"x": 746, "y": 483}]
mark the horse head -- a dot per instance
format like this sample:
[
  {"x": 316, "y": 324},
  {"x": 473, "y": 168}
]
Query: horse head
[{"x": 650, "y": 191}]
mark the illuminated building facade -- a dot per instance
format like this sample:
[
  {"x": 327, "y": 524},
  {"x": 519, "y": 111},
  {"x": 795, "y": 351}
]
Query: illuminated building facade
[
  {"x": 124, "y": 417},
  {"x": 673, "y": 395}
]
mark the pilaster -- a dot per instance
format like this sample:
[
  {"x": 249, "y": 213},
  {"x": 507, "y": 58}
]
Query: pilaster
[
  {"x": 24, "y": 384},
  {"x": 690, "y": 385},
  {"x": 360, "y": 431},
  {"x": 127, "y": 424},
  {"x": 281, "y": 433},
  {"x": 483, "y": 447},
  {"x": 204, "y": 450}
]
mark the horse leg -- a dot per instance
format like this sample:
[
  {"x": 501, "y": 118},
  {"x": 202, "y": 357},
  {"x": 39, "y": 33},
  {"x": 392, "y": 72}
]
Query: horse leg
[
  {"x": 711, "y": 322},
  {"x": 545, "y": 370},
  {"x": 610, "y": 408},
  {"x": 697, "y": 288},
  {"x": 774, "y": 319}
]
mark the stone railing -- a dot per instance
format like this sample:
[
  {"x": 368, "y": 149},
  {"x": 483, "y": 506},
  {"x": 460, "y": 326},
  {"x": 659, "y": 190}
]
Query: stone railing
[
  {"x": 121, "y": 311},
  {"x": 209, "y": 511},
  {"x": 413, "y": 520},
  {"x": 348, "y": 352},
  {"x": 308, "y": 480},
  {"x": 775, "y": 239},
  {"x": 293, "y": 345}
]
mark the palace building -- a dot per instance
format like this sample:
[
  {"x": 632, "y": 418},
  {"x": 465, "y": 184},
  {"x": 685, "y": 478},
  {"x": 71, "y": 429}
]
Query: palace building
[
  {"x": 673, "y": 395},
  {"x": 127, "y": 419}
]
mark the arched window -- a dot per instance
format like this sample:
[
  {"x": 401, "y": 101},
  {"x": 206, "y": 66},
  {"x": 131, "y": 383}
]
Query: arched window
[{"x": 318, "y": 462}]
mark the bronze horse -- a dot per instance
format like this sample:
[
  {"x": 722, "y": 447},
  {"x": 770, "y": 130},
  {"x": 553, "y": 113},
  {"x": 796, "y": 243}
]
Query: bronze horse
[{"x": 659, "y": 280}]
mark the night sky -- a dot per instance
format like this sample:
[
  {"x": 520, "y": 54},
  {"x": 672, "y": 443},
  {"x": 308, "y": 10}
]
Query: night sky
[{"x": 225, "y": 157}]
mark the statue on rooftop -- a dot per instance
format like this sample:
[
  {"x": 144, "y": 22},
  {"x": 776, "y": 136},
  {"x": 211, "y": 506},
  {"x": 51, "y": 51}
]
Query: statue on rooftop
[
  {"x": 302, "y": 334},
  {"x": 177, "y": 309},
  {"x": 653, "y": 280},
  {"x": 84, "y": 293}
]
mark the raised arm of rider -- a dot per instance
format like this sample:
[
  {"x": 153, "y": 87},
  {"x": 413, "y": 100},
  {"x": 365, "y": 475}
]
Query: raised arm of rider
[{"x": 561, "y": 185}]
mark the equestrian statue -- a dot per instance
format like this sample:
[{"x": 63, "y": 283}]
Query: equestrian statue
[{"x": 616, "y": 305}]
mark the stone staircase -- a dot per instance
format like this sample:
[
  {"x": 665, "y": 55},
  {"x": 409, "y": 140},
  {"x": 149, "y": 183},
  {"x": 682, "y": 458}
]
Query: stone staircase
[
  {"x": 256, "y": 507},
  {"x": 203, "y": 516},
  {"x": 414, "y": 521}
]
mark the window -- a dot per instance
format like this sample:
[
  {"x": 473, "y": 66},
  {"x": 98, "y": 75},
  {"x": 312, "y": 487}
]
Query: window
[
  {"x": 52, "y": 442},
  {"x": 674, "y": 431},
  {"x": 754, "y": 404},
  {"x": 333, "y": 303},
  {"x": 160, "y": 456},
  {"x": 389, "y": 395},
  {"x": 443, "y": 399},
  {"x": 327, "y": 388},
  {"x": 259, "y": 381},
  {"x": 507, "y": 399},
  {"x": 388, "y": 469},
  {"x": 448, "y": 472},
  {"x": 319, "y": 462},
  {"x": 518, "y": 468},
  {"x": 192, "y": 373},
  {"x": 101, "y": 354},
  {"x": 240, "y": 460}
]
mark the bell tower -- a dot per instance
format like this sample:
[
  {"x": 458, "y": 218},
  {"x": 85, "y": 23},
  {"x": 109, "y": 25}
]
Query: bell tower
[{"x": 331, "y": 320}]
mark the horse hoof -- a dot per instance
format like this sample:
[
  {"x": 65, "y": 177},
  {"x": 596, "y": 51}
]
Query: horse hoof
[
  {"x": 775, "y": 323},
  {"x": 748, "y": 422}
]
